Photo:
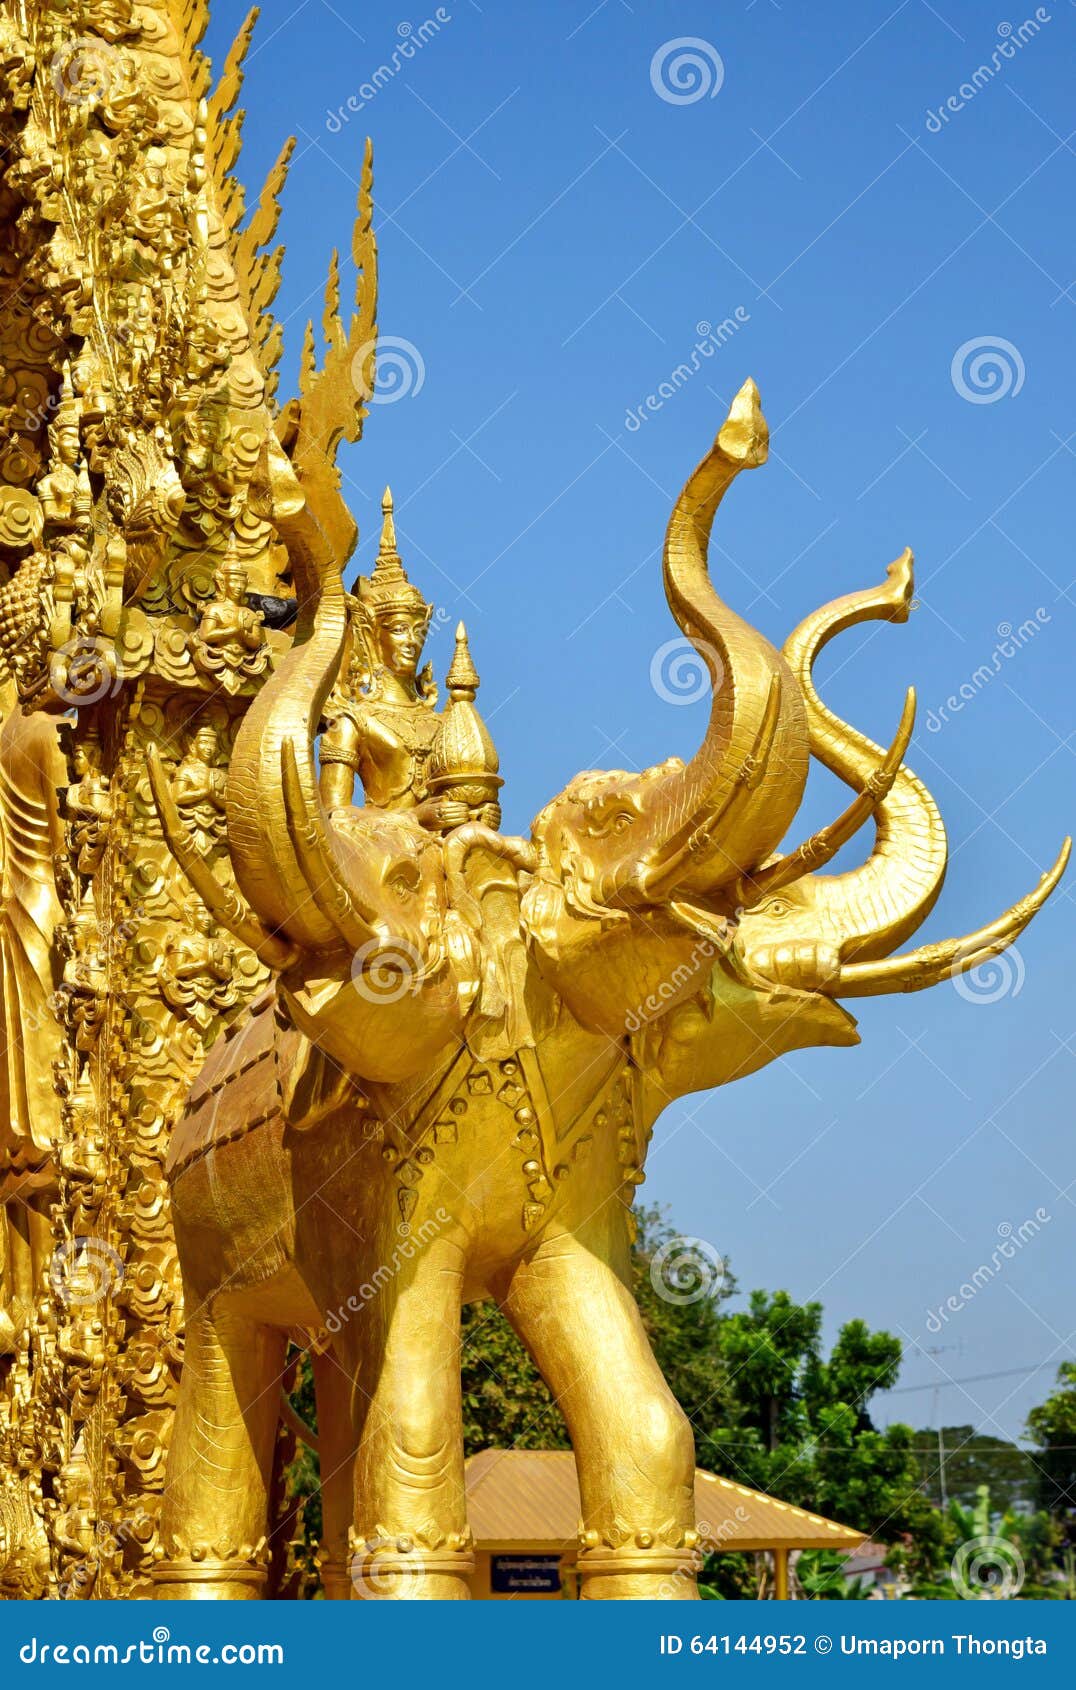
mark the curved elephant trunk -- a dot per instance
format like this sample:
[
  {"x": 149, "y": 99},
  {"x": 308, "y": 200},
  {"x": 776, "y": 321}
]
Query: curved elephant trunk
[
  {"x": 723, "y": 813},
  {"x": 281, "y": 849},
  {"x": 875, "y": 908}
]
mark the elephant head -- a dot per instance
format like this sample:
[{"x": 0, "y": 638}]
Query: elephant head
[{"x": 661, "y": 891}]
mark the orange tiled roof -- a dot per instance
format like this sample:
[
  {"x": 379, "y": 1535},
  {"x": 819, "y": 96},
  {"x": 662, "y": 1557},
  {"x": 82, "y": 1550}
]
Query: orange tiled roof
[{"x": 530, "y": 1498}]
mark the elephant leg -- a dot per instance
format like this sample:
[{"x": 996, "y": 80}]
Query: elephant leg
[
  {"x": 411, "y": 1539},
  {"x": 336, "y": 1453},
  {"x": 633, "y": 1444},
  {"x": 214, "y": 1520}
]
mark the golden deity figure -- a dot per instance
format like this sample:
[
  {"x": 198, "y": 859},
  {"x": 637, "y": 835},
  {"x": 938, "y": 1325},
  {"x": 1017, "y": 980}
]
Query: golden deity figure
[
  {"x": 64, "y": 492},
  {"x": 381, "y": 716},
  {"x": 197, "y": 972},
  {"x": 89, "y": 809},
  {"x": 229, "y": 644},
  {"x": 199, "y": 782},
  {"x": 260, "y": 1041}
]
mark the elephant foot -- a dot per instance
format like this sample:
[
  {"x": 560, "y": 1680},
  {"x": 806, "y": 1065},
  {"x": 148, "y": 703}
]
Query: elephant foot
[
  {"x": 632, "y": 1574},
  {"x": 402, "y": 1570},
  {"x": 207, "y": 1576}
]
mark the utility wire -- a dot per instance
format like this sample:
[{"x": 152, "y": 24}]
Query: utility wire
[{"x": 972, "y": 1378}]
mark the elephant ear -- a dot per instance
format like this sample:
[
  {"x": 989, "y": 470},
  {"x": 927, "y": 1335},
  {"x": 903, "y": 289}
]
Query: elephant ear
[
  {"x": 312, "y": 1085},
  {"x": 250, "y": 1048}
]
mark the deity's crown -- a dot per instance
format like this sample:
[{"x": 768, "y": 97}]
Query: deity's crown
[
  {"x": 388, "y": 590},
  {"x": 67, "y": 408}
]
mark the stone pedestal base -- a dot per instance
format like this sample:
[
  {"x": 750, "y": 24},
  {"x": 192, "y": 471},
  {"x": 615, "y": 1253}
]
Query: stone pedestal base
[
  {"x": 614, "y": 1575},
  {"x": 188, "y": 1580},
  {"x": 394, "y": 1574}
]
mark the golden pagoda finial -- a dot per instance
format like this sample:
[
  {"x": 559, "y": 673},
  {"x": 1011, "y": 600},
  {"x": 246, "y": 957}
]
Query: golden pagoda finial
[
  {"x": 464, "y": 760},
  {"x": 462, "y": 679}
]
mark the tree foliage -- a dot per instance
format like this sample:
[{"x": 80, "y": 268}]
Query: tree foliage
[
  {"x": 969, "y": 1459},
  {"x": 1053, "y": 1427}
]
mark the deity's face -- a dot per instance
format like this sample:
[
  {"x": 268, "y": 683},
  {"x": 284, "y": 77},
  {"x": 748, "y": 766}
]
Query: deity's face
[
  {"x": 199, "y": 917},
  {"x": 67, "y": 442},
  {"x": 232, "y": 583},
  {"x": 204, "y": 744},
  {"x": 400, "y": 639}
]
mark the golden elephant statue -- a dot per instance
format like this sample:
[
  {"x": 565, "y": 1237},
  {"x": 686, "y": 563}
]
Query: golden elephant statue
[{"x": 449, "y": 1093}]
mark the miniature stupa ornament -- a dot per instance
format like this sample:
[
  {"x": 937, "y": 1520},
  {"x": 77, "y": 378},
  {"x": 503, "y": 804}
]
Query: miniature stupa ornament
[{"x": 464, "y": 760}]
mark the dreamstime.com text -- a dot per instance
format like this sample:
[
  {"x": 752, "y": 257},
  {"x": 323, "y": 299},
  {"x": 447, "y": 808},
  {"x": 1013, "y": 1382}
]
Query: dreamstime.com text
[{"x": 155, "y": 1651}]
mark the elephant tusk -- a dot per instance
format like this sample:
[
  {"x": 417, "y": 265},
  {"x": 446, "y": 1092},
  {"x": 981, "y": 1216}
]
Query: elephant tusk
[
  {"x": 879, "y": 905},
  {"x": 933, "y": 963},
  {"x": 822, "y": 847},
  {"x": 742, "y": 666},
  {"x": 314, "y": 856},
  {"x": 223, "y": 904}
]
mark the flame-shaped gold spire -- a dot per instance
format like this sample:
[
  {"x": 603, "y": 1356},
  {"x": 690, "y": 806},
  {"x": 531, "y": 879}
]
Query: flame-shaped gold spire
[{"x": 388, "y": 526}]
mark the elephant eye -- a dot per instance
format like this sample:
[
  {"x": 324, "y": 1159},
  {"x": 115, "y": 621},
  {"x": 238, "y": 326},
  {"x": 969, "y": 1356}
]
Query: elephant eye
[
  {"x": 403, "y": 879},
  {"x": 777, "y": 907},
  {"x": 603, "y": 819}
]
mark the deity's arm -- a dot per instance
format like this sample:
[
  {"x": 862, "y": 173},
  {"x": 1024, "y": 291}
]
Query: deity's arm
[
  {"x": 339, "y": 757},
  {"x": 252, "y": 630},
  {"x": 218, "y": 628}
]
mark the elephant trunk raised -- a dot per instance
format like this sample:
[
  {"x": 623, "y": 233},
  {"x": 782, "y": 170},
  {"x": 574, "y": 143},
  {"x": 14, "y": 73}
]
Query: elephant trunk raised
[
  {"x": 722, "y": 812},
  {"x": 297, "y": 874}
]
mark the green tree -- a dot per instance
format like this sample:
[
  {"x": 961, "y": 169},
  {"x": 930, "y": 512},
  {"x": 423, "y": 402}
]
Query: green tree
[
  {"x": 972, "y": 1459},
  {"x": 801, "y": 1428},
  {"x": 1000, "y": 1551},
  {"x": 1053, "y": 1427}
]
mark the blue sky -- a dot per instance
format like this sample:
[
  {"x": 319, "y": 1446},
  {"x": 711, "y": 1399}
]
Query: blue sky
[{"x": 554, "y": 229}]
